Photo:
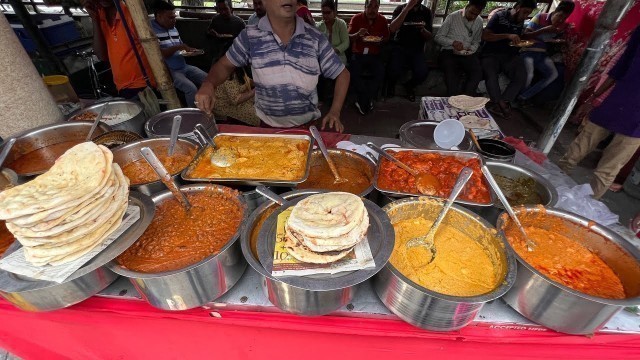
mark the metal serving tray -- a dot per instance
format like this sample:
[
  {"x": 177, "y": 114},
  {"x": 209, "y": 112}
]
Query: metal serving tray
[
  {"x": 252, "y": 182},
  {"x": 465, "y": 155}
]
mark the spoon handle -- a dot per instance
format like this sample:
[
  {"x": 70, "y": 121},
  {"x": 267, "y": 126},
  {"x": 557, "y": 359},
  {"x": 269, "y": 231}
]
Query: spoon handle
[
  {"x": 462, "y": 180},
  {"x": 392, "y": 159},
  {"x": 262, "y": 190},
  {"x": 323, "y": 148},
  {"x": 175, "y": 129},
  {"x": 164, "y": 175},
  {"x": 96, "y": 121},
  {"x": 6, "y": 147}
]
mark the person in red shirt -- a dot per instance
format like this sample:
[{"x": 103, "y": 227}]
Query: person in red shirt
[
  {"x": 367, "y": 32},
  {"x": 304, "y": 12}
]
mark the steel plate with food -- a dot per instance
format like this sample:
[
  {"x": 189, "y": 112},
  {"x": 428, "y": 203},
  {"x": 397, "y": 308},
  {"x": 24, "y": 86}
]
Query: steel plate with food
[
  {"x": 267, "y": 159},
  {"x": 442, "y": 287},
  {"x": 579, "y": 274},
  {"x": 372, "y": 39},
  {"x": 356, "y": 171},
  {"x": 445, "y": 166},
  {"x": 198, "y": 246}
]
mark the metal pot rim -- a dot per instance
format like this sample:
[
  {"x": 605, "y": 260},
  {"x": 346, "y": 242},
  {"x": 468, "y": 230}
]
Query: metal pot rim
[
  {"x": 158, "y": 198},
  {"x": 505, "y": 285},
  {"x": 99, "y": 104},
  {"x": 622, "y": 243},
  {"x": 537, "y": 177}
]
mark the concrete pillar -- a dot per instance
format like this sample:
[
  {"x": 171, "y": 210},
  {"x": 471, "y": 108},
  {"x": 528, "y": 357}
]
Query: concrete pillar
[{"x": 25, "y": 102}]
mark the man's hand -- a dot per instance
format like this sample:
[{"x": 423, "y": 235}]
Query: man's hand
[
  {"x": 91, "y": 6},
  {"x": 213, "y": 32},
  {"x": 362, "y": 32},
  {"x": 187, "y": 48},
  {"x": 514, "y": 38},
  {"x": 551, "y": 29},
  {"x": 333, "y": 120},
  {"x": 206, "y": 97},
  {"x": 458, "y": 46}
]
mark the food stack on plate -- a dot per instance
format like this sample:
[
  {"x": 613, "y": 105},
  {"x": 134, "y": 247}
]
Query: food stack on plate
[{"x": 64, "y": 213}]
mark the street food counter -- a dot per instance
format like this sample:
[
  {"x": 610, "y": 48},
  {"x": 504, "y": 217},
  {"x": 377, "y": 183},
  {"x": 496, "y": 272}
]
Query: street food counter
[{"x": 256, "y": 314}]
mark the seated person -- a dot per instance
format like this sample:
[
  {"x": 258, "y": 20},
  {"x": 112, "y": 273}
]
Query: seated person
[
  {"x": 259, "y": 12},
  {"x": 548, "y": 27},
  {"x": 412, "y": 26},
  {"x": 460, "y": 36},
  {"x": 234, "y": 98},
  {"x": 334, "y": 28},
  {"x": 366, "y": 53},
  {"x": 107, "y": 30},
  {"x": 224, "y": 27},
  {"x": 186, "y": 78},
  {"x": 304, "y": 12}
]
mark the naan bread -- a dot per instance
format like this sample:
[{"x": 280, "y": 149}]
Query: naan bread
[
  {"x": 302, "y": 253},
  {"x": 468, "y": 103},
  {"x": 343, "y": 242},
  {"x": 327, "y": 215},
  {"x": 474, "y": 122}
]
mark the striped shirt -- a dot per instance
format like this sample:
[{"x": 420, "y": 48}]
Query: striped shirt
[
  {"x": 285, "y": 75},
  {"x": 167, "y": 39},
  {"x": 457, "y": 28}
]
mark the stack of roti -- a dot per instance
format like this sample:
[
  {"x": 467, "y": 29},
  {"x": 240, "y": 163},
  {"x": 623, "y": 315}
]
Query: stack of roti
[
  {"x": 67, "y": 211},
  {"x": 324, "y": 228},
  {"x": 468, "y": 103}
]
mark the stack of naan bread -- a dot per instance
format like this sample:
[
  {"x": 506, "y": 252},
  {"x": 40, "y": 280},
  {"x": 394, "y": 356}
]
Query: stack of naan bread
[
  {"x": 324, "y": 228},
  {"x": 467, "y": 103},
  {"x": 67, "y": 211}
]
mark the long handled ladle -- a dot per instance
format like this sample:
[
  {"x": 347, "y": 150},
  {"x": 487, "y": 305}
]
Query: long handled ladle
[
  {"x": 531, "y": 245},
  {"x": 96, "y": 121},
  {"x": 427, "y": 183},
  {"x": 262, "y": 190},
  {"x": 325, "y": 153},
  {"x": 428, "y": 240},
  {"x": 175, "y": 129},
  {"x": 219, "y": 157},
  {"x": 165, "y": 177}
]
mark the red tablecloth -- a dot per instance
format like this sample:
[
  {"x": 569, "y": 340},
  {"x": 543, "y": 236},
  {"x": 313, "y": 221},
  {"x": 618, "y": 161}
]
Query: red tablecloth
[
  {"x": 330, "y": 138},
  {"x": 102, "y": 328}
]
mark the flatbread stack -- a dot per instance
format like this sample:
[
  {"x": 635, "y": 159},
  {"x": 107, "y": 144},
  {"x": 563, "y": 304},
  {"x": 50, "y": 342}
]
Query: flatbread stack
[
  {"x": 468, "y": 103},
  {"x": 324, "y": 228},
  {"x": 474, "y": 122},
  {"x": 64, "y": 213}
]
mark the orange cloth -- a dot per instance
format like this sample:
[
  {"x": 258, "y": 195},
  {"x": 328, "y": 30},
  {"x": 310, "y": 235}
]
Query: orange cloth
[{"x": 125, "y": 68}]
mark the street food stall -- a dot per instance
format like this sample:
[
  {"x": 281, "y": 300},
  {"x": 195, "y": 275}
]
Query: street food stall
[{"x": 250, "y": 243}]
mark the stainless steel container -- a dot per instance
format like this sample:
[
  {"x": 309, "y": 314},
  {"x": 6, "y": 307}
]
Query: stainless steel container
[
  {"x": 496, "y": 150},
  {"x": 543, "y": 187},
  {"x": 119, "y": 115},
  {"x": 160, "y": 124},
  {"x": 561, "y": 308},
  {"x": 419, "y": 134},
  {"x": 427, "y": 309},
  {"x": 129, "y": 153},
  {"x": 344, "y": 158},
  {"x": 287, "y": 297},
  {"x": 197, "y": 284},
  {"x": 43, "y": 136}
]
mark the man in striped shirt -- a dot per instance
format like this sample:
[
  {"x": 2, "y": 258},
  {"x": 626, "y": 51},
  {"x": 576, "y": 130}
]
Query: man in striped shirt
[
  {"x": 186, "y": 78},
  {"x": 460, "y": 36},
  {"x": 286, "y": 57}
]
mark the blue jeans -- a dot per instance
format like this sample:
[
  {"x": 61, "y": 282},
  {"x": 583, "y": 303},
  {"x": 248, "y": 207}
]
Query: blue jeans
[
  {"x": 414, "y": 59},
  {"x": 540, "y": 62},
  {"x": 188, "y": 80}
]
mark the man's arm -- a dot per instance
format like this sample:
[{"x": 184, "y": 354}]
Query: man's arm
[
  {"x": 490, "y": 36},
  {"x": 168, "y": 52},
  {"x": 355, "y": 32},
  {"x": 219, "y": 73},
  {"x": 99, "y": 43},
  {"x": 399, "y": 14}
]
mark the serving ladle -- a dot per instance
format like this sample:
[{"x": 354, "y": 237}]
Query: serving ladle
[
  {"x": 427, "y": 240},
  {"x": 531, "y": 245},
  {"x": 323, "y": 148},
  {"x": 175, "y": 129},
  {"x": 96, "y": 121},
  {"x": 426, "y": 183},
  {"x": 6, "y": 149},
  {"x": 165, "y": 177},
  {"x": 219, "y": 157},
  {"x": 262, "y": 190}
]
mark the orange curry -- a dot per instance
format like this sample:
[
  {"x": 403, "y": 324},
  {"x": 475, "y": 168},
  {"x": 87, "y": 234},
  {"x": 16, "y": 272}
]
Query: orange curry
[
  {"x": 41, "y": 160},
  {"x": 444, "y": 168},
  {"x": 353, "y": 171},
  {"x": 140, "y": 172}
]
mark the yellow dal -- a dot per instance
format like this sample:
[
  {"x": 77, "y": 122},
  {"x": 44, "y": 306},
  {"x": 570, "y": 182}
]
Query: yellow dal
[{"x": 461, "y": 266}]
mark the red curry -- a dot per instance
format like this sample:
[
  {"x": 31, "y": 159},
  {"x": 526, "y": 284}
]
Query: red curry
[{"x": 445, "y": 168}]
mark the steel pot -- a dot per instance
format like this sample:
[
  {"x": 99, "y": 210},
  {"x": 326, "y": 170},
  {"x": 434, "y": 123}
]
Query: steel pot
[
  {"x": 430, "y": 310},
  {"x": 128, "y": 153},
  {"x": 196, "y": 284},
  {"x": 160, "y": 124},
  {"x": 496, "y": 150},
  {"x": 419, "y": 134},
  {"x": 561, "y": 308},
  {"x": 131, "y": 113}
]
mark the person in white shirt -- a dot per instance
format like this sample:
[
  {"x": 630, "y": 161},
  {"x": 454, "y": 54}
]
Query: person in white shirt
[
  {"x": 259, "y": 12},
  {"x": 460, "y": 36}
]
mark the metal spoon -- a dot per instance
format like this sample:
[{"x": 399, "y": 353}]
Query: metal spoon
[
  {"x": 262, "y": 190},
  {"x": 219, "y": 157},
  {"x": 6, "y": 148},
  {"x": 96, "y": 121},
  {"x": 531, "y": 245},
  {"x": 175, "y": 129},
  {"x": 325, "y": 153},
  {"x": 428, "y": 239},
  {"x": 427, "y": 184},
  {"x": 165, "y": 177}
]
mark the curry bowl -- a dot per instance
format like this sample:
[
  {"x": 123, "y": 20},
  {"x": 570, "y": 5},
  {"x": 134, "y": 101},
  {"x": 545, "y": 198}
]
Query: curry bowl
[
  {"x": 355, "y": 168},
  {"x": 197, "y": 283},
  {"x": 552, "y": 304},
  {"x": 125, "y": 115},
  {"x": 437, "y": 311},
  {"x": 130, "y": 159}
]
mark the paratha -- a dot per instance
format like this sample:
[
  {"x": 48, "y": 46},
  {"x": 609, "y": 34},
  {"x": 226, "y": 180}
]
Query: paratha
[
  {"x": 468, "y": 103},
  {"x": 302, "y": 253},
  {"x": 474, "y": 122},
  {"x": 327, "y": 215}
]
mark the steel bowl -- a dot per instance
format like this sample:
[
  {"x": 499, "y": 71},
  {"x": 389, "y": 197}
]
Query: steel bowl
[
  {"x": 348, "y": 158},
  {"x": 419, "y": 134},
  {"x": 160, "y": 124},
  {"x": 428, "y": 309},
  {"x": 561, "y": 308},
  {"x": 496, "y": 150},
  {"x": 197, "y": 284},
  {"x": 128, "y": 153},
  {"x": 43, "y": 136},
  {"x": 133, "y": 121},
  {"x": 544, "y": 188}
]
